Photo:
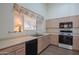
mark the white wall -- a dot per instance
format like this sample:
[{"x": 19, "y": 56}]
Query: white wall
[
  {"x": 39, "y": 8},
  {"x": 5, "y": 19},
  {"x": 57, "y": 10}
]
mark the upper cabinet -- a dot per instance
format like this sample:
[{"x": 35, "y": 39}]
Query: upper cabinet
[
  {"x": 75, "y": 20},
  {"x": 52, "y": 24}
]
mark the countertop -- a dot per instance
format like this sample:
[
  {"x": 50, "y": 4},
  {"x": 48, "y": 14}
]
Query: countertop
[
  {"x": 18, "y": 40},
  {"x": 10, "y": 42}
]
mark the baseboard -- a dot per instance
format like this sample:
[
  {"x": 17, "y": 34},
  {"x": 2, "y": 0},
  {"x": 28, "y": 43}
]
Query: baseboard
[{"x": 54, "y": 45}]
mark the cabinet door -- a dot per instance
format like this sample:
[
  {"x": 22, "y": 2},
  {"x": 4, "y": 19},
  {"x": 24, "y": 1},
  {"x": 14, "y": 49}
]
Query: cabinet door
[
  {"x": 20, "y": 51},
  {"x": 52, "y": 26},
  {"x": 75, "y": 43},
  {"x": 43, "y": 42},
  {"x": 52, "y": 23},
  {"x": 54, "y": 39},
  {"x": 12, "y": 53},
  {"x": 13, "y": 50},
  {"x": 75, "y": 20},
  {"x": 46, "y": 39}
]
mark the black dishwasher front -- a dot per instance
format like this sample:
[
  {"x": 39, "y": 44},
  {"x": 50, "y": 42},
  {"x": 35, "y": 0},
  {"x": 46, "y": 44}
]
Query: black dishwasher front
[{"x": 31, "y": 47}]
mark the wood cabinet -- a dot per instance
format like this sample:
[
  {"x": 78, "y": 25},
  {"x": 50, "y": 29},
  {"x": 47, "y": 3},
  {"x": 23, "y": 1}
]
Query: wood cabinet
[
  {"x": 54, "y": 39},
  {"x": 52, "y": 24},
  {"x": 75, "y": 20},
  {"x": 20, "y": 51},
  {"x": 11, "y": 53},
  {"x": 43, "y": 42},
  {"x": 75, "y": 43},
  {"x": 14, "y": 50}
]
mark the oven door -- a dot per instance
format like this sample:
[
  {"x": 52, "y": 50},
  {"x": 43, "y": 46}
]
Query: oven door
[{"x": 64, "y": 39}]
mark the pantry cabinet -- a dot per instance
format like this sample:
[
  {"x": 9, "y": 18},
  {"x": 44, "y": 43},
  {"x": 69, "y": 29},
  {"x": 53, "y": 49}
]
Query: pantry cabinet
[
  {"x": 75, "y": 43},
  {"x": 75, "y": 20}
]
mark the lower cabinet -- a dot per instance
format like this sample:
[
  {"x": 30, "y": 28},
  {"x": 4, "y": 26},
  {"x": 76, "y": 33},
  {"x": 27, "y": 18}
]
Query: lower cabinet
[
  {"x": 43, "y": 42},
  {"x": 27, "y": 48},
  {"x": 11, "y": 53},
  {"x": 54, "y": 39},
  {"x": 31, "y": 47},
  {"x": 20, "y": 51},
  {"x": 36, "y": 46},
  {"x": 14, "y": 50}
]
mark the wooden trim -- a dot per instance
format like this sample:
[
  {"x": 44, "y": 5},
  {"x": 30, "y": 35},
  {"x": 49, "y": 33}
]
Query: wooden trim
[
  {"x": 62, "y": 17},
  {"x": 75, "y": 50}
]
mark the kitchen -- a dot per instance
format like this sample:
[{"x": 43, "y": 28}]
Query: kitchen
[{"x": 31, "y": 29}]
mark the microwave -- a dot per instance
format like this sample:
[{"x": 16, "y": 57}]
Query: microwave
[{"x": 65, "y": 25}]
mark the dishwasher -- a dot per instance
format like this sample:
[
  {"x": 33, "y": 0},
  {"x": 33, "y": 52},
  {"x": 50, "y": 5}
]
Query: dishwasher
[{"x": 31, "y": 47}]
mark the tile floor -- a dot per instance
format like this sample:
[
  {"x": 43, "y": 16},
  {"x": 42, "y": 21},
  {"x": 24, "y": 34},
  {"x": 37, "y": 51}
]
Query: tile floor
[{"x": 53, "y": 50}]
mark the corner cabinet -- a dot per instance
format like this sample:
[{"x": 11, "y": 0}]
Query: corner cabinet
[
  {"x": 43, "y": 42},
  {"x": 54, "y": 39}
]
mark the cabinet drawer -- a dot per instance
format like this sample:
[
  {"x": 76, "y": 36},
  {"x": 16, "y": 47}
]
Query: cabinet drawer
[
  {"x": 54, "y": 40},
  {"x": 20, "y": 51},
  {"x": 11, "y": 53},
  {"x": 12, "y": 48}
]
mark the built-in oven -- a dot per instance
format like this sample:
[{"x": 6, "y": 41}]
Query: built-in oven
[
  {"x": 65, "y": 35},
  {"x": 65, "y": 25},
  {"x": 66, "y": 39}
]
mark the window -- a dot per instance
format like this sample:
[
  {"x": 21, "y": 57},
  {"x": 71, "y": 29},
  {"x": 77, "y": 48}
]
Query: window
[
  {"x": 18, "y": 22},
  {"x": 23, "y": 19},
  {"x": 29, "y": 22}
]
